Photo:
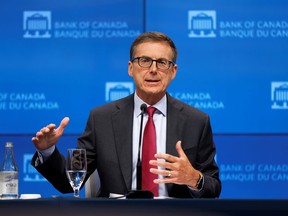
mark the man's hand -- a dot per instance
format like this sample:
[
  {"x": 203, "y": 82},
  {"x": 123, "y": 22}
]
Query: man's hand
[
  {"x": 177, "y": 170},
  {"x": 49, "y": 135}
]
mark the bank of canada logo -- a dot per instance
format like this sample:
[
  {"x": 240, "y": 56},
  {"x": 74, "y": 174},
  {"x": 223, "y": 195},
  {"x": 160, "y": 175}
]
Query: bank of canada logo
[
  {"x": 29, "y": 172},
  {"x": 37, "y": 24},
  {"x": 202, "y": 24},
  {"x": 279, "y": 95},
  {"x": 117, "y": 90}
]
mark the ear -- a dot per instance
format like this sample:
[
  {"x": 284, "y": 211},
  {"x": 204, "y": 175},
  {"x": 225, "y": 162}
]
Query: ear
[
  {"x": 174, "y": 71},
  {"x": 130, "y": 69}
]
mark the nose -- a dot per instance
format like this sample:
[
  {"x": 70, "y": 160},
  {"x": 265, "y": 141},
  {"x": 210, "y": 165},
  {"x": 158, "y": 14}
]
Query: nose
[{"x": 153, "y": 67}]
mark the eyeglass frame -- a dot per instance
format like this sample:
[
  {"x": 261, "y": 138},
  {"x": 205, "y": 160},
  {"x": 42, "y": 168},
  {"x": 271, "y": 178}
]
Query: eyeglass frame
[{"x": 152, "y": 60}]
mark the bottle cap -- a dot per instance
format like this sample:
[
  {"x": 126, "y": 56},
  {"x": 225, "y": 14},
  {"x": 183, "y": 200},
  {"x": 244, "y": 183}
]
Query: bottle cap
[{"x": 9, "y": 144}]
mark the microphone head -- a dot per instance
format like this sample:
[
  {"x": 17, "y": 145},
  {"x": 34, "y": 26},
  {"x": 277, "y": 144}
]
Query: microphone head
[{"x": 143, "y": 107}]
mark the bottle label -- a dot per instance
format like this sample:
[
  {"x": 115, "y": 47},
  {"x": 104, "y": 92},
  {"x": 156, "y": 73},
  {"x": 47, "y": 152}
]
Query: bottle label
[{"x": 9, "y": 183}]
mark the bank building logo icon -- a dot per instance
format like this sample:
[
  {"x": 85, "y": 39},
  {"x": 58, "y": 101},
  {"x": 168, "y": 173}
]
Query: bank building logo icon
[
  {"x": 30, "y": 173},
  {"x": 117, "y": 90},
  {"x": 37, "y": 24},
  {"x": 279, "y": 95},
  {"x": 202, "y": 24}
]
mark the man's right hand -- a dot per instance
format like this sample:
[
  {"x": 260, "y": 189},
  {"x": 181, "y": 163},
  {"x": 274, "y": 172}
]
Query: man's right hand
[{"x": 49, "y": 135}]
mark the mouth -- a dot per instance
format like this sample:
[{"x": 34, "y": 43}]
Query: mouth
[{"x": 152, "y": 81}]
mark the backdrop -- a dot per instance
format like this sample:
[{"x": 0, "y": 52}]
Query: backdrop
[{"x": 64, "y": 58}]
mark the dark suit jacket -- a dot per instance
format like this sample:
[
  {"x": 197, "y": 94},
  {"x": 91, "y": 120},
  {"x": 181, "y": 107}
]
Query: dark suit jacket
[{"x": 108, "y": 142}]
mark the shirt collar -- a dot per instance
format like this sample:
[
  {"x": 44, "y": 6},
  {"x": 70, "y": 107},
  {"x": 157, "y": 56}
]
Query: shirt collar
[{"x": 160, "y": 105}]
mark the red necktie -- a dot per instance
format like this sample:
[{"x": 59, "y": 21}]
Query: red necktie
[{"x": 148, "y": 152}]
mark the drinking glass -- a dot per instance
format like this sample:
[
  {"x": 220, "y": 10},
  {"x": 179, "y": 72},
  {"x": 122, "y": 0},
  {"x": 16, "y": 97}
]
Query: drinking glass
[{"x": 76, "y": 167}]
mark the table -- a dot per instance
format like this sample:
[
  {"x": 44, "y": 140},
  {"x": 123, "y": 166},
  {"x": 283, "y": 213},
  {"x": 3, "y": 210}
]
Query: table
[{"x": 85, "y": 207}]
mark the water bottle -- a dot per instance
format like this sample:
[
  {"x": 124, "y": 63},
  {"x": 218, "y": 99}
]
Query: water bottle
[{"x": 9, "y": 174}]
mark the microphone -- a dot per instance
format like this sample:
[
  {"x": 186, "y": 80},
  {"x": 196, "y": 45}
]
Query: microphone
[
  {"x": 139, "y": 193},
  {"x": 143, "y": 108}
]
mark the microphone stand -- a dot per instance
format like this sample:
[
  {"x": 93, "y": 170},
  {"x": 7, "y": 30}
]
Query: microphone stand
[{"x": 139, "y": 162}]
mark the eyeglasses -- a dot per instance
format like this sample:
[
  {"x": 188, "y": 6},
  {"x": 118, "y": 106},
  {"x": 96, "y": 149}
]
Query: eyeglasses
[{"x": 146, "y": 62}]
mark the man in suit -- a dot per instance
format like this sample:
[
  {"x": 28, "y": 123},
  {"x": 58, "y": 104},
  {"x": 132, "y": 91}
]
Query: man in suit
[{"x": 184, "y": 164}]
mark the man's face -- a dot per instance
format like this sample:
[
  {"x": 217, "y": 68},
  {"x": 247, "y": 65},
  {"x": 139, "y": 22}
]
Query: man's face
[{"x": 151, "y": 83}]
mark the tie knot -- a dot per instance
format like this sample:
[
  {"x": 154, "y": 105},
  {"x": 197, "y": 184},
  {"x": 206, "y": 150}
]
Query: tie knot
[{"x": 151, "y": 110}]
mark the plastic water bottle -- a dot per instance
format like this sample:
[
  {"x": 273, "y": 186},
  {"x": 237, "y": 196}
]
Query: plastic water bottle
[{"x": 9, "y": 174}]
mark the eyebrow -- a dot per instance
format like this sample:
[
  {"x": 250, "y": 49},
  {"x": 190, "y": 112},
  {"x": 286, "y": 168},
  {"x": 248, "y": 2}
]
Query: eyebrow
[{"x": 154, "y": 59}]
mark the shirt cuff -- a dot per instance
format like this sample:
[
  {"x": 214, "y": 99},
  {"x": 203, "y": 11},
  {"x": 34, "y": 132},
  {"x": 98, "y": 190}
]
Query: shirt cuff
[
  {"x": 44, "y": 154},
  {"x": 197, "y": 190}
]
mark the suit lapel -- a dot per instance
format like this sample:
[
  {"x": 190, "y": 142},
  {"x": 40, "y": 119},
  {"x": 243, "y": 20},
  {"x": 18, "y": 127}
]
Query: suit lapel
[{"x": 122, "y": 121}]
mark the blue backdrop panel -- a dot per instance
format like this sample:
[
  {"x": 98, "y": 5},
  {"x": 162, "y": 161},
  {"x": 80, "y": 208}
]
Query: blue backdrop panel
[
  {"x": 57, "y": 57},
  {"x": 232, "y": 60},
  {"x": 253, "y": 166}
]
